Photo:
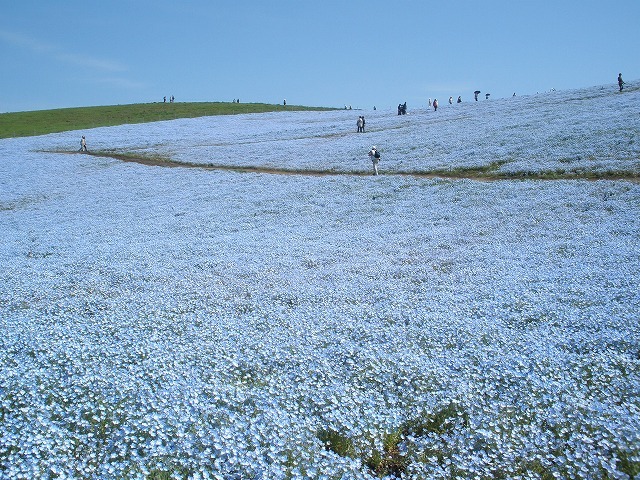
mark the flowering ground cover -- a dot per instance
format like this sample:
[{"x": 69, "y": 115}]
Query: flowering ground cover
[{"x": 192, "y": 323}]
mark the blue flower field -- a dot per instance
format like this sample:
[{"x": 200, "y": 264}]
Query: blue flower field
[{"x": 311, "y": 320}]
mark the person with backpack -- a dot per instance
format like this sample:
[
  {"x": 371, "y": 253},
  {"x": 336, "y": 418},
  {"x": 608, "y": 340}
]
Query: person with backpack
[{"x": 375, "y": 158}]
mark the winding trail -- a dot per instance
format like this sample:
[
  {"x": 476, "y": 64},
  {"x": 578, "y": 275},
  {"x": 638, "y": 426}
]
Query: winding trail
[{"x": 486, "y": 174}]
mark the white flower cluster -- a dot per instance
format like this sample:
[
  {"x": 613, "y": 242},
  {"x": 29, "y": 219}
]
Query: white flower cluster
[{"x": 209, "y": 324}]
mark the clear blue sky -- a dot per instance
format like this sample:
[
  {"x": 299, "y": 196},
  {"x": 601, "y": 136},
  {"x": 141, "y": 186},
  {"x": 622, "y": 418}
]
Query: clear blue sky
[{"x": 324, "y": 52}]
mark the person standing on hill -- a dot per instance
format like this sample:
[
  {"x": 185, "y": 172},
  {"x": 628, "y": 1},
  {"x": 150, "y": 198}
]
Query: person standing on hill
[
  {"x": 359, "y": 124},
  {"x": 374, "y": 154},
  {"x": 620, "y": 81},
  {"x": 83, "y": 144},
  {"x": 435, "y": 104}
]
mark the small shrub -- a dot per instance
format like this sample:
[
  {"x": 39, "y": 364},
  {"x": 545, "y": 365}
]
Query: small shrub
[
  {"x": 629, "y": 465},
  {"x": 440, "y": 422},
  {"x": 390, "y": 461},
  {"x": 337, "y": 442}
]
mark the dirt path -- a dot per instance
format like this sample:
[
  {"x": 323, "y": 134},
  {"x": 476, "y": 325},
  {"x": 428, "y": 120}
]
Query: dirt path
[{"x": 480, "y": 174}]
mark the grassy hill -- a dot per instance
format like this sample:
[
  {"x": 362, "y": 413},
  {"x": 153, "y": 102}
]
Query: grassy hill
[{"x": 41, "y": 122}]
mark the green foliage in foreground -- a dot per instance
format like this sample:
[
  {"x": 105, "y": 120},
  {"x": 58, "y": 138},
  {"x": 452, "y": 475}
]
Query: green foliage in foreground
[
  {"x": 390, "y": 460},
  {"x": 41, "y": 122}
]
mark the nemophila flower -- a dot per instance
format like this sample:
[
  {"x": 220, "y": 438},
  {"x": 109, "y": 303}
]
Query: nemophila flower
[{"x": 167, "y": 320}]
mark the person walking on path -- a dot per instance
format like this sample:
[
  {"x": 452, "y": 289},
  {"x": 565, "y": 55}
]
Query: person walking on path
[
  {"x": 620, "y": 81},
  {"x": 375, "y": 158},
  {"x": 435, "y": 104},
  {"x": 359, "y": 124},
  {"x": 83, "y": 144}
]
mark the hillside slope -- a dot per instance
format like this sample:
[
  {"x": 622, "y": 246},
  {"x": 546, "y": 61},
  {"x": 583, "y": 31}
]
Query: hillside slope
[
  {"x": 564, "y": 134},
  {"x": 41, "y": 122},
  {"x": 204, "y": 323}
]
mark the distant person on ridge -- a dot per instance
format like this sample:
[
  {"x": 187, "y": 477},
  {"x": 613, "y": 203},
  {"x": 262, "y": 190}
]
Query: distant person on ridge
[
  {"x": 620, "y": 81},
  {"x": 359, "y": 124},
  {"x": 450, "y": 100},
  {"x": 435, "y": 104},
  {"x": 83, "y": 144},
  {"x": 363, "y": 122},
  {"x": 459, "y": 99}
]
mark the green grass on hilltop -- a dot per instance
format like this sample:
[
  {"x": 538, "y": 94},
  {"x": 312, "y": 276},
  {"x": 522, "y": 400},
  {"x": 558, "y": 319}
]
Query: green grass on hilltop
[{"x": 41, "y": 122}]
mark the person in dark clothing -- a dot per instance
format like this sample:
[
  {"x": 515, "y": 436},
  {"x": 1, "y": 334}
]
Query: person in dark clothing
[{"x": 620, "y": 81}]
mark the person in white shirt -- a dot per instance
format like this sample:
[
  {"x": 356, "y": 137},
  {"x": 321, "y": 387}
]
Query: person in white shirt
[{"x": 375, "y": 158}]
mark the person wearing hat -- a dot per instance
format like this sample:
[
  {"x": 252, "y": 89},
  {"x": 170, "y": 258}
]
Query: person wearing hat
[{"x": 375, "y": 158}]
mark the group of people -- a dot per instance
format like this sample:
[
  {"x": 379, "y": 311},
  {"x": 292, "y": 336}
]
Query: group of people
[
  {"x": 374, "y": 153},
  {"x": 171, "y": 99}
]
